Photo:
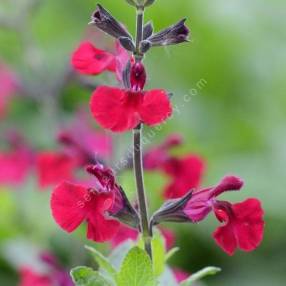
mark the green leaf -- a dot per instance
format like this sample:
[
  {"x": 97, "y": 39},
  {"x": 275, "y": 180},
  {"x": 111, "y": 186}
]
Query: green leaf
[
  {"x": 200, "y": 274},
  {"x": 158, "y": 251},
  {"x": 118, "y": 254},
  {"x": 85, "y": 276},
  {"x": 102, "y": 261},
  {"x": 136, "y": 269}
]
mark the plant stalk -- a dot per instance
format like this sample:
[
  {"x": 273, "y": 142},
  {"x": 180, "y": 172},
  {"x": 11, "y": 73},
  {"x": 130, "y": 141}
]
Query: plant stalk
[{"x": 138, "y": 170}]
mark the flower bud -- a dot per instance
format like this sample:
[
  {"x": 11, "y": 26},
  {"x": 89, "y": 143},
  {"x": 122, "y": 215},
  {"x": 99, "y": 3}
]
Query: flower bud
[
  {"x": 124, "y": 211},
  {"x": 175, "y": 34},
  {"x": 127, "y": 44},
  {"x": 137, "y": 76},
  {"x": 103, "y": 20},
  {"x": 172, "y": 211}
]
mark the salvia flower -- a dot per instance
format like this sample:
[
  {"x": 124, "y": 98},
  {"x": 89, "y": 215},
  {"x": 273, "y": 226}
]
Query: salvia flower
[
  {"x": 17, "y": 162},
  {"x": 103, "y": 20},
  {"x": 74, "y": 204},
  {"x": 243, "y": 222},
  {"x": 156, "y": 157},
  {"x": 186, "y": 173},
  {"x": 175, "y": 34},
  {"x": 123, "y": 109}
]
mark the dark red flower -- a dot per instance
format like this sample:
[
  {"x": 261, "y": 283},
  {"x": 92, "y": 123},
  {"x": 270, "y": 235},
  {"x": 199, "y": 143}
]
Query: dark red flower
[
  {"x": 121, "y": 110},
  {"x": 186, "y": 173},
  {"x": 244, "y": 223},
  {"x": 74, "y": 204},
  {"x": 53, "y": 168}
]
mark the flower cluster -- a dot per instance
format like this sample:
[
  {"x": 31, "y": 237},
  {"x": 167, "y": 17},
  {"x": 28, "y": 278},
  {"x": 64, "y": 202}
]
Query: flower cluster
[{"x": 102, "y": 203}]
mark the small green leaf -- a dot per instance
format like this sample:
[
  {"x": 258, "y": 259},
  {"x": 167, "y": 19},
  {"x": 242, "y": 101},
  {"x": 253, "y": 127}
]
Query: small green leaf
[
  {"x": 118, "y": 254},
  {"x": 158, "y": 251},
  {"x": 85, "y": 276},
  {"x": 200, "y": 274},
  {"x": 136, "y": 269},
  {"x": 171, "y": 252},
  {"x": 102, "y": 261}
]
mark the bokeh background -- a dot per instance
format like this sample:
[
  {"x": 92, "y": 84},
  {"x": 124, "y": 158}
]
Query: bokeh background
[{"x": 233, "y": 68}]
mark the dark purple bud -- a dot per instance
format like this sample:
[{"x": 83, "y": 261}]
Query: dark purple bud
[
  {"x": 174, "y": 34},
  {"x": 137, "y": 76},
  {"x": 172, "y": 211},
  {"x": 103, "y": 20},
  {"x": 126, "y": 76},
  {"x": 127, "y": 44},
  {"x": 148, "y": 30},
  {"x": 145, "y": 46}
]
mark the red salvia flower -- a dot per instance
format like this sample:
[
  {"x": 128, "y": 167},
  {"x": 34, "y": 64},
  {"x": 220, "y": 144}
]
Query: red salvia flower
[
  {"x": 54, "y": 167},
  {"x": 15, "y": 163},
  {"x": 244, "y": 223},
  {"x": 121, "y": 110},
  {"x": 186, "y": 173},
  {"x": 74, "y": 204},
  {"x": 156, "y": 157},
  {"x": 28, "y": 277},
  {"x": 90, "y": 60}
]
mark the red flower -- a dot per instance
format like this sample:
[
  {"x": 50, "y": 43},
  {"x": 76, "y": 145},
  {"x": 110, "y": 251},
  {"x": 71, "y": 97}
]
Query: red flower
[
  {"x": 124, "y": 233},
  {"x": 88, "y": 59},
  {"x": 74, "y": 204},
  {"x": 84, "y": 143},
  {"x": 17, "y": 162},
  {"x": 121, "y": 110},
  {"x": 244, "y": 223},
  {"x": 53, "y": 168},
  {"x": 156, "y": 157},
  {"x": 31, "y": 278},
  {"x": 186, "y": 174}
]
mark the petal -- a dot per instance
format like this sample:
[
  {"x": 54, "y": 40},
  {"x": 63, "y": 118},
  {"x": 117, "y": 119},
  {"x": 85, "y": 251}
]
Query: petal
[
  {"x": 229, "y": 183},
  {"x": 101, "y": 229},
  {"x": 156, "y": 107},
  {"x": 30, "y": 278},
  {"x": 244, "y": 227},
  {"x": 115, "y": 109},
  {"x": 68, "y": 205},
  {"x": 124, "y": 233},
  {"x": 53, "y": 168},
  {"x": 87, "y": 59},
  {"x": 250, "y": 225},
  {"x": 225, "y": 238}
]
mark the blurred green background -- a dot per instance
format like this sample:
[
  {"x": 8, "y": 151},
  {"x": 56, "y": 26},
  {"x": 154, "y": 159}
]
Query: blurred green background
[{"x": 233, "y": 68}]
